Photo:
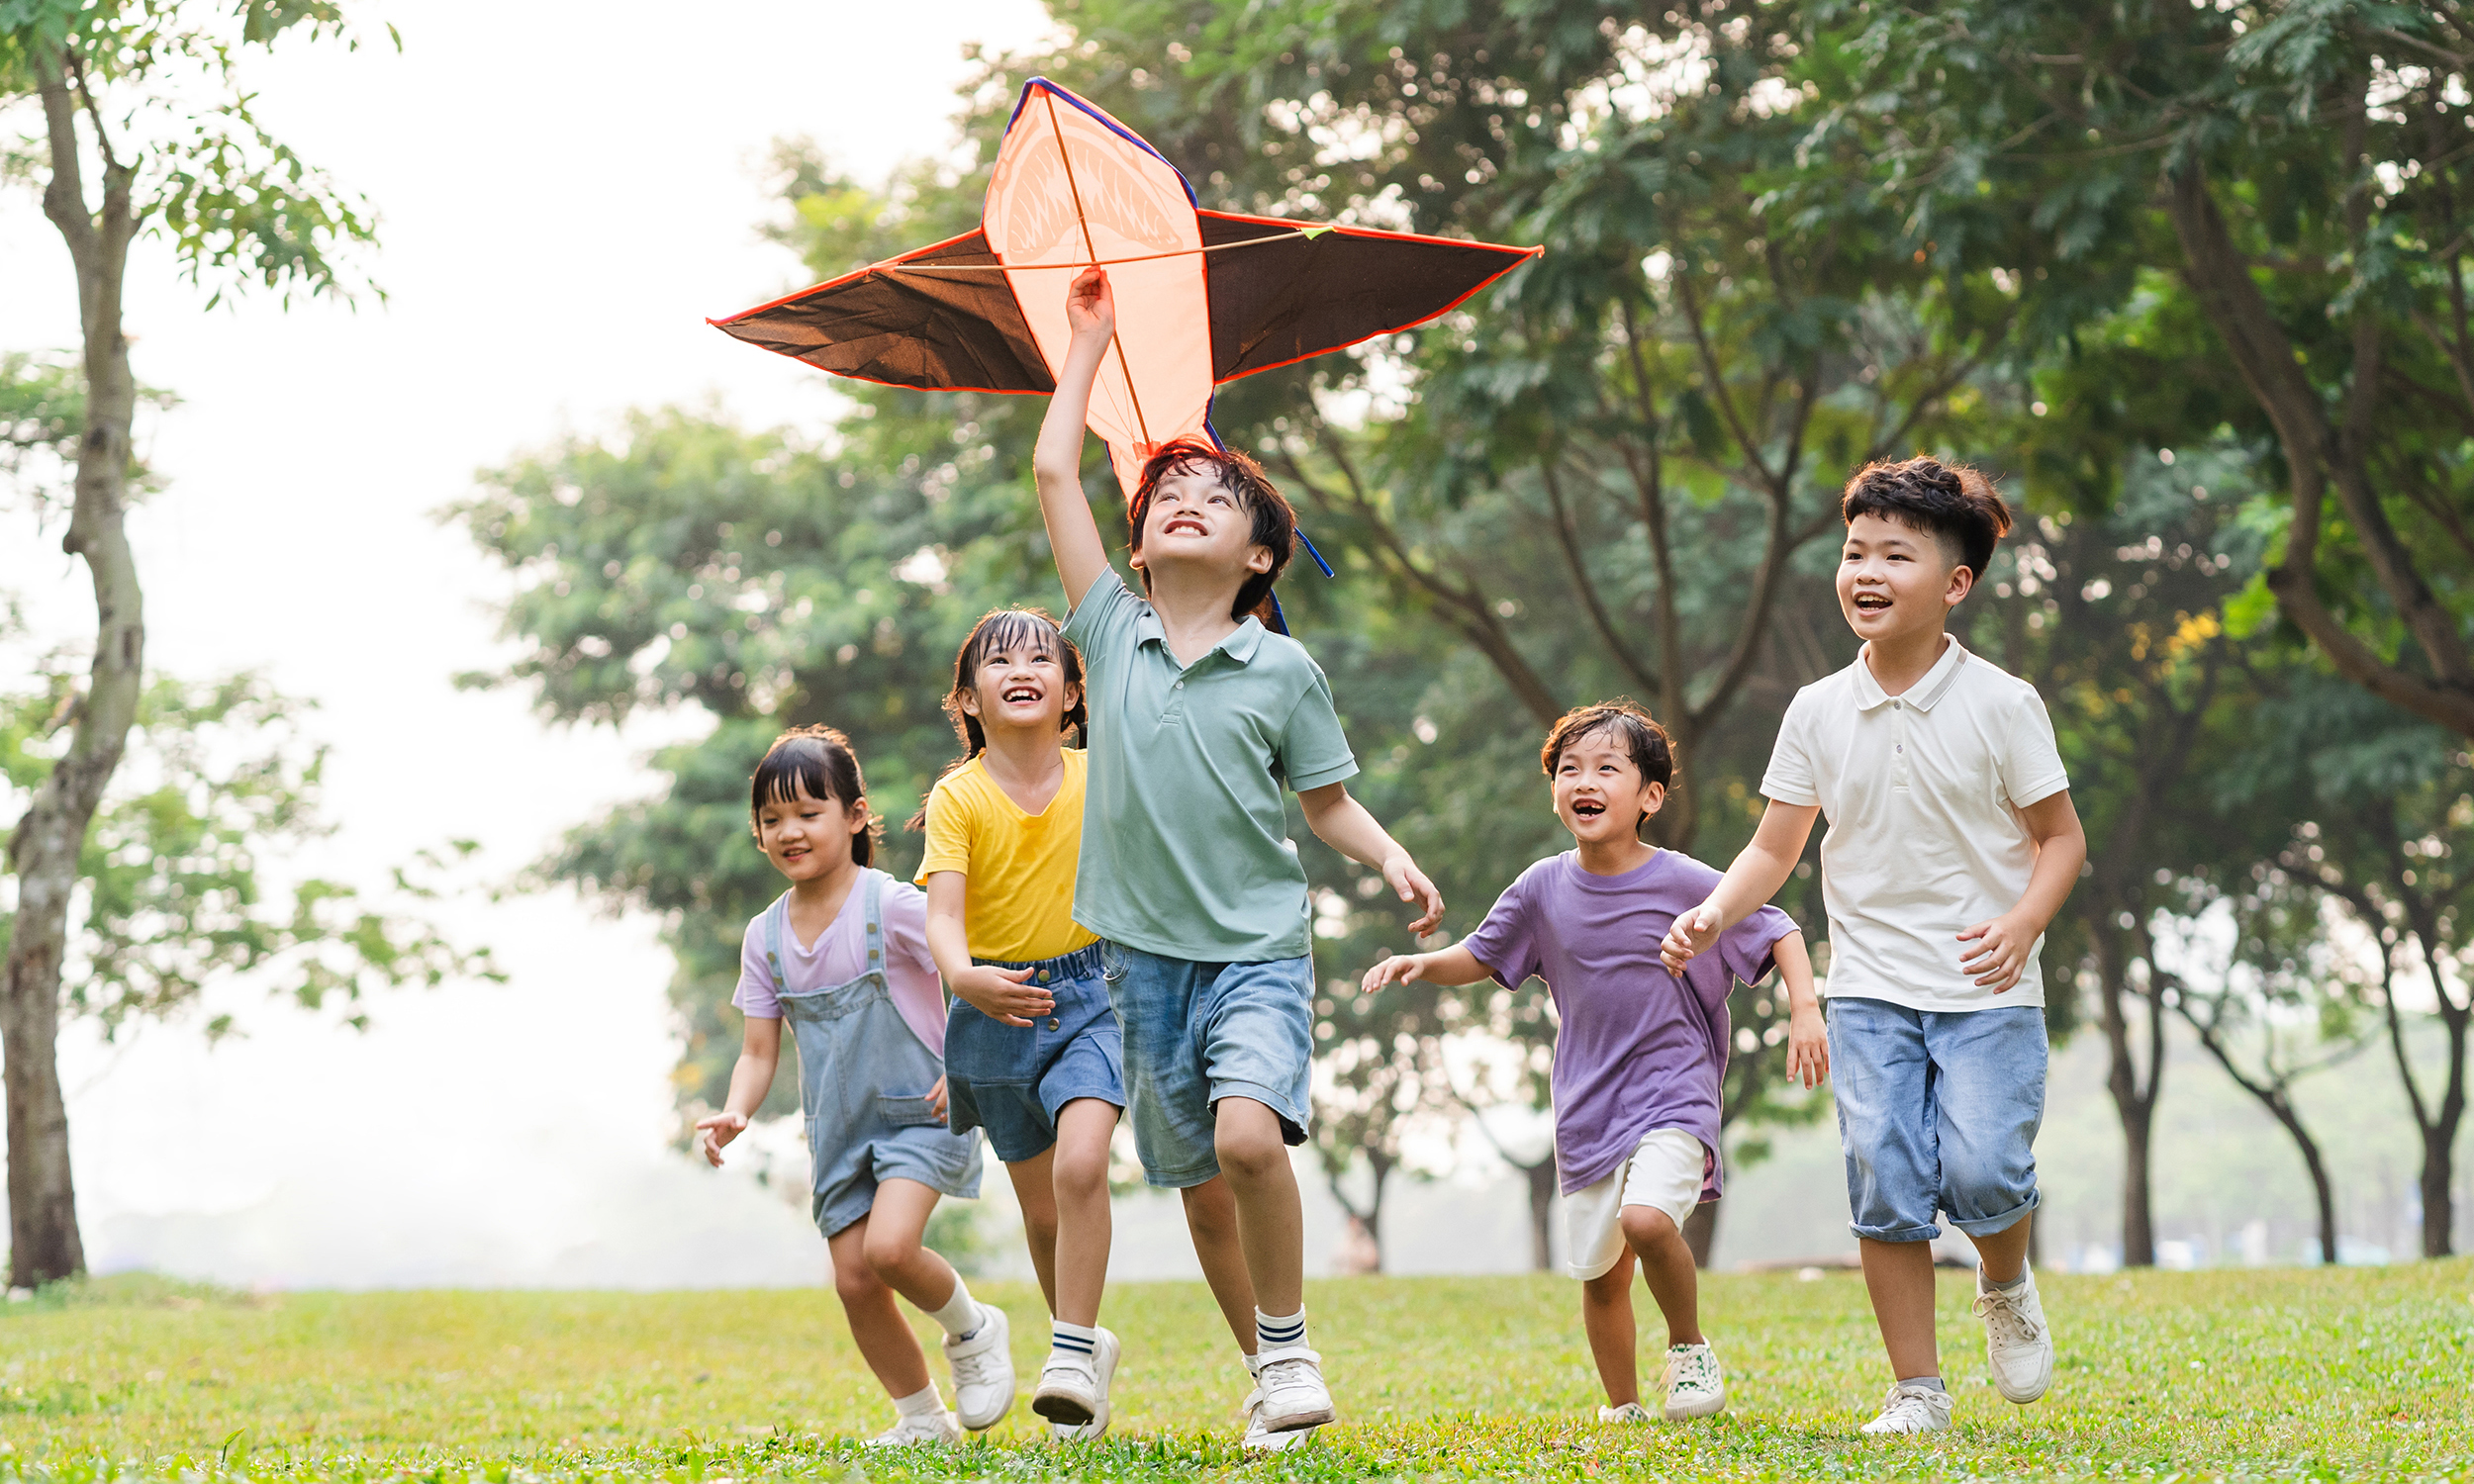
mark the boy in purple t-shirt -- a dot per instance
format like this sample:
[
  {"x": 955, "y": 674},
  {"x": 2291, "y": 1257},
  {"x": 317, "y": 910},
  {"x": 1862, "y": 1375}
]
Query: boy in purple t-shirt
[{"x": 1641, "y": 1052}]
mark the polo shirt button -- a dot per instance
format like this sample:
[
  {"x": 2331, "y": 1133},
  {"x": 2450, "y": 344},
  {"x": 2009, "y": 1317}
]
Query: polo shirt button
[{"x": 1180, "y": 685}]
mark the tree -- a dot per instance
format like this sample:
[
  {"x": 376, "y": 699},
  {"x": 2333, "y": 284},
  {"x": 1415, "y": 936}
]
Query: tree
[
  {"x": 2301, "y": 163},
  {"x": 128, "y": 146}
]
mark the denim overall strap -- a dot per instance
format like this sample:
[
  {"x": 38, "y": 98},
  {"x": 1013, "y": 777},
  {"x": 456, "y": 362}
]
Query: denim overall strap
[
  {"x": 775, "y": 916},
  {"x": 876, "y": 926}
]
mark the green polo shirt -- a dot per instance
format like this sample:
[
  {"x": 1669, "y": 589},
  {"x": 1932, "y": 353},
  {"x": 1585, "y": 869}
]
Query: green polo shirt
[{"x": 1186, "y": 849}]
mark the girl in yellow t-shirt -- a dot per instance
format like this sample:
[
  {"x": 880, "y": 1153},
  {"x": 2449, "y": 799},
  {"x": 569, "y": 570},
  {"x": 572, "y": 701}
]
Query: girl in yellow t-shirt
[{"x": 1032, "y": 1049}]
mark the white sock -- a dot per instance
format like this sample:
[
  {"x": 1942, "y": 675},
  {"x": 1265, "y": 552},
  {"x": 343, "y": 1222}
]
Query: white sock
[
  {"x": 1278, "y": 1331},
  {"x": 919, "y": 1403},
  {"x": 1072, "y": 1345},
  {"x": 961, "y": 1316}
]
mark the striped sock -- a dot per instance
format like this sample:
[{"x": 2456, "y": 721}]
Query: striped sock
[
  {"x": 1072, "y": 1345},
  {"x": 1279, "y": 1333}
]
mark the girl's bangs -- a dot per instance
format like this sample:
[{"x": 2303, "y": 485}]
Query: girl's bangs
[
  {"x": 1003, "y": 631},
  {"x": 796, "y": 767}
]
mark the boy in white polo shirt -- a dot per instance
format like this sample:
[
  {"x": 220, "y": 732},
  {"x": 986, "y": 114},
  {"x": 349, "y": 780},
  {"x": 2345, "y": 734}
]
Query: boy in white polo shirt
[{"x": 1952, "y": 845}]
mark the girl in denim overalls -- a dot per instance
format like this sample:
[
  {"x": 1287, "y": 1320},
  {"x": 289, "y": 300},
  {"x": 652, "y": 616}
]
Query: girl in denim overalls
[
  {"x": 1034, "y": 1053},
  {"x": 842, "y": 956}
]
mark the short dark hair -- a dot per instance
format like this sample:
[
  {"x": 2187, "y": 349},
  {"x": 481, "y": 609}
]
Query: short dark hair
[
  {"x": 1000, "y": 629},
  {"x": 816, "y": 761},
  {"x": 1275, "y": 519},
  {"x": 1652, "y": 751},
  {"x": 1954, "y": 505}
]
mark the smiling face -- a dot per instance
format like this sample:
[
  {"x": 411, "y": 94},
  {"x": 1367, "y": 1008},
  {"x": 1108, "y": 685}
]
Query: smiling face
[
  {"x": 805, "y": 837},
  {"x": 1194, "y": 519},
  {"x": 1022, "y": 684},
  {"x": 1600, "y": 792},
  {"x": 1897, "y": 582}
]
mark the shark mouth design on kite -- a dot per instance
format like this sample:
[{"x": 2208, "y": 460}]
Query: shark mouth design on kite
[{"x": 1202, "y": 297}]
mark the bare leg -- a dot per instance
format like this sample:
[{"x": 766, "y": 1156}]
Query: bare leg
[
  {"x": 1666, "y": 1263},
  {"x": 1271, "y": 1217},
  {"x": 1606, "y": 1318},
  {"x": 1899, "y": 1276},
  {"x": 1035, "y": 1187},
  {"x": 2004, "y": 1254},
  {"x": 1212, "y": 1215},
  {"x": 885, "y": 1341},
  {"x": 892, "y": 1245},
  {"x": 1080, "y": 1201}
]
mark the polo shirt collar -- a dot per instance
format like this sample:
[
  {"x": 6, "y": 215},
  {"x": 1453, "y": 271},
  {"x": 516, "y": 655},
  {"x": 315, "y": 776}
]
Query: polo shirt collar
[
  {"x": 1924, "y": 693},
  {"x": 1239, "y": 646}
]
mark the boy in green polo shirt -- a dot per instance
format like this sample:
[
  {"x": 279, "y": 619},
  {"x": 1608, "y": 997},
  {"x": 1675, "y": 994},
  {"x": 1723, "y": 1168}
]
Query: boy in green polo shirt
[{"x": 1197, "y": 716}]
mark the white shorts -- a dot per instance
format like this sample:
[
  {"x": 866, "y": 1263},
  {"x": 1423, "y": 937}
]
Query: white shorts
[{"x": 1664, "y": 1174}]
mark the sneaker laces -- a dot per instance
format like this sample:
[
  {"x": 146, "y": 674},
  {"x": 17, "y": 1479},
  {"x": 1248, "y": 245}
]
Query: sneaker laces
[
  {"x": 2006, "y": 1317},
  {"x": 1906, "y": 1402},
  {"x": 1287, "y": 1372},
  {"x": 976, "y": 1367},
  {"x": 1695, "y": 1367}
]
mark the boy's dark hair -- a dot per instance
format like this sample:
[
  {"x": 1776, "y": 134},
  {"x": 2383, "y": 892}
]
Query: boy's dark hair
[
  {"x": 1001, "y": 629},
  {"x": 1954, "y": 505},
  {"x": 816, "y": 761},
  {"x": 1652, "y": 751},
  {"x": 1275, "y": 519}
]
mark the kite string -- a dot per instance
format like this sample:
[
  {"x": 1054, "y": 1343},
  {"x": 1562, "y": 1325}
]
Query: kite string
[{"x": 1092, "y": 248}]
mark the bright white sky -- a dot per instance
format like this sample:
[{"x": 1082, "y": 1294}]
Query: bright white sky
[{"x": 567, "y": 191}]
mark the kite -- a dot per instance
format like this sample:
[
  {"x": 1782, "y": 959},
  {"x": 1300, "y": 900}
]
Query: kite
[{"x": 1202, "y": 297}]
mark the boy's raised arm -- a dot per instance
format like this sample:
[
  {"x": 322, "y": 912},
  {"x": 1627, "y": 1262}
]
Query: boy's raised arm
[{"x": 1057, "y": 460}]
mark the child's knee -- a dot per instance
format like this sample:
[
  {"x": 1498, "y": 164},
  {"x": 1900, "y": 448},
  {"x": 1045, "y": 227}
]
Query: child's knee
[
  {"x": 888, "y": 1253},
  {"x": 1251, "y": 1151},
  {"x": 1082, "y": 1173},
  {"x": 857, "y": 1283},
  {"x": 1609, "y": 1289},
  {"x": 1646, "y": 1229}
]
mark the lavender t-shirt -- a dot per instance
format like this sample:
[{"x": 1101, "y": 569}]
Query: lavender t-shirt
[
  {"x": 840, "y": 953},
  {"x": 1637, "y": 1049}
]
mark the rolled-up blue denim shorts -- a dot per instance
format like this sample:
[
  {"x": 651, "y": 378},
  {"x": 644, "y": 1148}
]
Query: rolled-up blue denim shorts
[
  {"x": 1196, "y": 1033},
  {"x": 1938, "y": 1111},
  {"x": 1013, "y": 1080}
]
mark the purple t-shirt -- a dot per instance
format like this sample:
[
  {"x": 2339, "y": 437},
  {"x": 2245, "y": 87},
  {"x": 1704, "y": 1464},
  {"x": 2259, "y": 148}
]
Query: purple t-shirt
[{"x": 1637, "y": 1049}]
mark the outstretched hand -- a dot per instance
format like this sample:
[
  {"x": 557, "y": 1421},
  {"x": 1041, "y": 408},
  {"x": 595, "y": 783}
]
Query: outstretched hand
[
  {"x": 1091, "y": 305},
  {"x": 1692, "y": 932},
  {"x": 716, "y": 1131},
  {"x": 1400, "y": 968}
]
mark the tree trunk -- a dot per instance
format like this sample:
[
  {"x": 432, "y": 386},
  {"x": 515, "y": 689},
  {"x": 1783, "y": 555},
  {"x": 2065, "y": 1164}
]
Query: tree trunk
[
  {"x": 44, "y": 850},
  {"x": 1363, "y": 1251},
  {"x": 2134, "y": 1100},
  {"x": 1542, "y": 1181},
  {"x": 2139, "y": 1225},
  {"x": 1700, "y": 1232}
]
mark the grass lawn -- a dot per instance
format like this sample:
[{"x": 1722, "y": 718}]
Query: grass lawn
[{"x": 2273, "y": 1372}]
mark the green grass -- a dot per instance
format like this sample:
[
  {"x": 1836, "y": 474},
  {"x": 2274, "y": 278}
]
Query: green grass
[{"x": 2262, "y": 1373}]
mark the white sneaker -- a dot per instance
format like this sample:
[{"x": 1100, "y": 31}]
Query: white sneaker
[
  {"x": 1262, "y": 1440},
  {"x": 1073, "y": 1397},
  {"x": 1629, "y": 1412},
  {"x": 937, "y": 1427},
  {"x": 2017, "y": 1345},
  {"x": 1294, "y": 1393},
  {"x": 1695, "y": 1387},
  {"x": 1911, "y": 1409},
  {"x": 982, "y": 1371}
]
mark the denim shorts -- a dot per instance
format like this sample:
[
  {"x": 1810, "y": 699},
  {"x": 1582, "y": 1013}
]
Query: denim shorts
[
  {"x": 1938, "y": 1111},
  {"x": 1196, "y": 1033},
  {"x": 1013, "y": 1080}
]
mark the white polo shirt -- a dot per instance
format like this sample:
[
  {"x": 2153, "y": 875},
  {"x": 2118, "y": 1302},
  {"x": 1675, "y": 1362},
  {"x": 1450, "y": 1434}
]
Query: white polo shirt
[{"x": 1921, "y": 792}]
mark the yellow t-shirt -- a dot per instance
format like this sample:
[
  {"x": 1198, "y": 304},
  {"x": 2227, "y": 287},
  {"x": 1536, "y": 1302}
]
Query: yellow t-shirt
[{"x": 1017, "y": 901}]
